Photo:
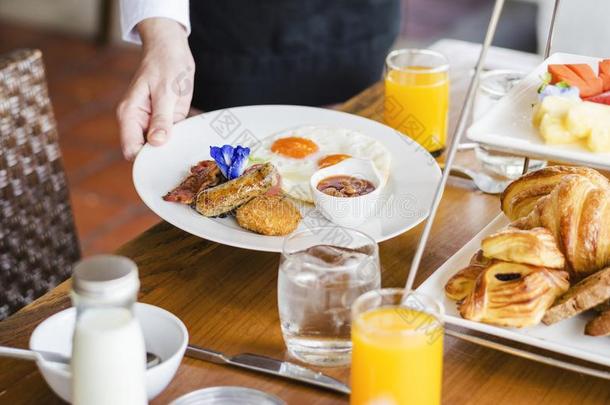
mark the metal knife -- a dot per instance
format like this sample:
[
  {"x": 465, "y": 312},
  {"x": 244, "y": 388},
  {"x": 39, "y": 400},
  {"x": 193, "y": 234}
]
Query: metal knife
[{"x": 269, "y": 365}]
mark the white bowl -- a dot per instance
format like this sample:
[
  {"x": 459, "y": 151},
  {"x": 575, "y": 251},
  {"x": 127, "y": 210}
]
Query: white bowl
[
  {"x": 165, "y": 335},
  {"x": 348, "y": 211}
]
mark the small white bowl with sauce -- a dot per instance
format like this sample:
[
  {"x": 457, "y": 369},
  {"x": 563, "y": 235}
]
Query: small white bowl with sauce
[{"x": 348, "y": 211}]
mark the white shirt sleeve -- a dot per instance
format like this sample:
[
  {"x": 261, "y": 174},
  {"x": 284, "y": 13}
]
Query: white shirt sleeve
[{"x": 134, "y": 11}]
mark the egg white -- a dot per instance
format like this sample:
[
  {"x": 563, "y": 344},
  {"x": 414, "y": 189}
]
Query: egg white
[{"x": 295, "y": 173}]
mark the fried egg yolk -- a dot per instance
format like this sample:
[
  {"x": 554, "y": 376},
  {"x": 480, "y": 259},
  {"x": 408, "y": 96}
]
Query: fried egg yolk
[
  {"x": 294, "y": 147},
  {"x": 332, "y": 160}
]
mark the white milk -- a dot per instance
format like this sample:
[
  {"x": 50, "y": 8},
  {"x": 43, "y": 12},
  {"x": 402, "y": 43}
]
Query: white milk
[{"x": 108, "y": 359}]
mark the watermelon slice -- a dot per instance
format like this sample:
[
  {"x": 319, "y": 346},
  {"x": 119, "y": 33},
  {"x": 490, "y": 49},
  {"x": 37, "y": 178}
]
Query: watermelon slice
[{"x": 603, "y": 98}]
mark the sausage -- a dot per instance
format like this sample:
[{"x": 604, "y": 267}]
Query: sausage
[{"x": 226, "y": 197}]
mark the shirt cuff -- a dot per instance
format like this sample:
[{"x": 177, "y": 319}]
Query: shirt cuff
[{"x": 134, "y": 11}]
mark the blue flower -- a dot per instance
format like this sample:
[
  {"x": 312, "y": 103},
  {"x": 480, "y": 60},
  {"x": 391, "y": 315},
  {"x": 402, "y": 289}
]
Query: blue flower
[
  {"x": 231, "y": 161},
  {"x": 561, "y": 89}
]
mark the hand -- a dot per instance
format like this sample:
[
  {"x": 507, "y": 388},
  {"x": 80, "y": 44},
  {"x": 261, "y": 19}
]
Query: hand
[{"x": 161, "y": 90}]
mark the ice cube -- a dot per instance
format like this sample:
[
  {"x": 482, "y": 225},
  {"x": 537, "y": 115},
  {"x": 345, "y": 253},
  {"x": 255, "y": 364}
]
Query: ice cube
[{"x": 337, "y": 256}]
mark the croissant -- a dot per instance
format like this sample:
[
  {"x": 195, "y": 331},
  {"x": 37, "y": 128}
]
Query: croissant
[
  {"x": 480, "y": 259},
  {"x": 577, "y": 213},
  {"x": 462, "y": 282},
  {"x": 512, "y": 294},
  {"x": 536, "y": 247},
  {"x": 521, "y": 196}
]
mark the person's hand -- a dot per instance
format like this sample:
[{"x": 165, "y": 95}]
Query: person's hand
[{"x": 161, "y": 90}]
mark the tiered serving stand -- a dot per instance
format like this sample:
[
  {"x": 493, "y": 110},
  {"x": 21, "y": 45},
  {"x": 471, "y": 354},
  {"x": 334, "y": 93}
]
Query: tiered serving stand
[{"x": 492, "y": 342}]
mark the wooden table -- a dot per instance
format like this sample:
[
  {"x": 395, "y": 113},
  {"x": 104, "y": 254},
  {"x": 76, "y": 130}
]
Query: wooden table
[{"x": 227, "y": 299}]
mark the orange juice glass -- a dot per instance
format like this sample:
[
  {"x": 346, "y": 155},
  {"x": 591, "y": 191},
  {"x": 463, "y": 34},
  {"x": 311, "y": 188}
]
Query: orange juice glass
[
  {"x": 397, "y": 349},
  {"x": 417, "y": 96}
]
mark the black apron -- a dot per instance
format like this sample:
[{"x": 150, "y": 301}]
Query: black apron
[{"x": 308, "y": 52}]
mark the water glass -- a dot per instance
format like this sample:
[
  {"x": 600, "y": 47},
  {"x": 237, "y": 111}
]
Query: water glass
[
  {"x": 397, "y": 348},
  {"x": 494, "y": 85},
  {"x": 322, "y": 272}
]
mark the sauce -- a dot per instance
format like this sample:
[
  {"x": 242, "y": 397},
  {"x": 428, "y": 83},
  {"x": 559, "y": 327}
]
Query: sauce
[{"x": 345, "y": 186}]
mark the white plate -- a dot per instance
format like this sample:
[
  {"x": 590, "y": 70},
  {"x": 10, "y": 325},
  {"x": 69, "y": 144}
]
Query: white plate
[
  {"x": 508, "y": 125},
  {"x": 566, "y": 337},
  {"x": 407, "y": 195}
]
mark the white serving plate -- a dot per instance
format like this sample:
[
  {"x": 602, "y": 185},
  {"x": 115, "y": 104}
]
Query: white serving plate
[
  {"x": 508, "y": 125},
  {"x": 566, "y": 337},
  {"x": 406, "y": 196}
]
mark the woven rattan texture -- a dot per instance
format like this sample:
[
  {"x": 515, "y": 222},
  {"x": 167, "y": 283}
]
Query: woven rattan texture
[{"x": 38, "y": 242}]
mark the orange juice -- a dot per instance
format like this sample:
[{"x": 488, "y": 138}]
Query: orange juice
[
  {"x": 397, "y": 357},
  {"x": 417, "y": 104}
]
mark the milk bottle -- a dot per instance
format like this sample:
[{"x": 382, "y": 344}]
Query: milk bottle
[{"x": 108, "y": 354}]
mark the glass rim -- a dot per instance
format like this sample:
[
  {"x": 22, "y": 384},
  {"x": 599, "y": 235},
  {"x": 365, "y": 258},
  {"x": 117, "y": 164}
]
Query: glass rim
[
  {"x": 498, "y": 72},
  {"x": 312, "y": 232},
  {"x": 439, "y": 315},
  {"x": 440, "y": 68}
]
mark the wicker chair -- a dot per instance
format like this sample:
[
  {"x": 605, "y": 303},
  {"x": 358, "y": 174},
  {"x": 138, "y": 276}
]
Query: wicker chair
[{"x": 38, "y": 242}]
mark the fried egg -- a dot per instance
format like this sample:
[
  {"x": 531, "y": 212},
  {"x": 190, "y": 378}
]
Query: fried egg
[{"x": 299, "y": 153}]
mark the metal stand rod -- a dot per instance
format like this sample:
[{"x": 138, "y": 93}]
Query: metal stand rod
[
  {"x": 549, "y": 38},
  {"x": 439, "y": 192},
  {"x": 547, "y": 53},
  {"x": 526, "y": 165},
  {"x": 457, "y": 136}
]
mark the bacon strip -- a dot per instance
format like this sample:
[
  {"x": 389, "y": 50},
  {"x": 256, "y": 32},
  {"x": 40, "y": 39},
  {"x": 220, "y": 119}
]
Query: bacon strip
[{"x": 203, "y": 175}]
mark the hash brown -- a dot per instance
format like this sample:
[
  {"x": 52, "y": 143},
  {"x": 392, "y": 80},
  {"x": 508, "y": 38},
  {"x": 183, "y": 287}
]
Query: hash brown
[{"x": 271, "y": 215}]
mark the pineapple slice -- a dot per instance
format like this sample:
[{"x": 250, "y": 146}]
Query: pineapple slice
[
  {"x": 562, "y": 120},
  {"x": 581, "y": 119},
  {"x": 599, "y": 139},
  {"x": 553, "y": 130},
  {"x": 555, "y": 106}
]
